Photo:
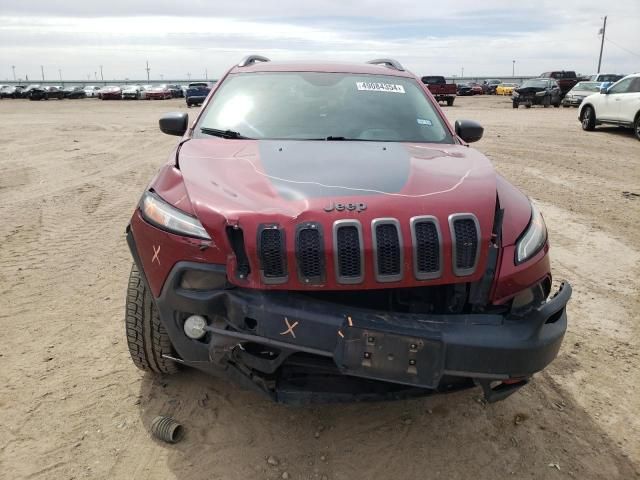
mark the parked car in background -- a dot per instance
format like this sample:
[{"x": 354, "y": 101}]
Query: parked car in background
[
  {"x": 110, "y": 92},
  {"x": 46, "y": 93},
  {"x": 489, "y": 86},
  {"x": 158, "y": 92},
  {"x": 505, "y": 88},
  {"x": 476, "y": 88},
  {"x": 91, "y": 90},
  {"x": 74, "y": 92},
  {"x": 618, "y": 104},
  {"x": 566, "y": 79},
  {"x": 537, "y": 91},
  {"x": 176, "y": 91},
  {"x": 197, "y": 92},
  {"x": 133, "y": 92},
  {"x": 574, "y": 97},
  {"x": 26, "y": 92},
  {"x": 440, "y": 89},
  {"x": 12, "y": 91},
  {"x": 464, "y": 89},
  {"x": 605, "y": 77}
]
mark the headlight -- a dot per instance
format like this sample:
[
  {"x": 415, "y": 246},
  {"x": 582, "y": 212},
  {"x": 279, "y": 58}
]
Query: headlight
[
  {"x": 167, "y": 217},
  {"x": 515, "y": 94},
  {"x": 533, "y": 238},
  {"x": 541, "y": 94}
]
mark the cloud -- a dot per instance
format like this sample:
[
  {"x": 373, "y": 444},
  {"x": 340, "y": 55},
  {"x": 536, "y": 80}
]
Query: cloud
[{"x": 77, "y": 37}]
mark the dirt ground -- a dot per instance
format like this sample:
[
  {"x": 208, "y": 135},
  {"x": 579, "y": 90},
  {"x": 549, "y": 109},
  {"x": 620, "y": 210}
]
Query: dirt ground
[{"x": 72, "y": 405}]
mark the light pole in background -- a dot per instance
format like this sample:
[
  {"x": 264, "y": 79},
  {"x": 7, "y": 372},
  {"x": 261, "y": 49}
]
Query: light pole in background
[
  {"x": 189, "y": 76},
  {"x": 60, "y": 74},
  {"x": 42, "y": 71},
  {"x": 462, "y": 74},
  {"x": 101, "y": 75},
  {"x": 161, "y": 77},
  {"x": 513, "y": 68},
  {"x": 602, "y": 31},
  {"x": 13, "y": 67},
  {"x": 148, "y": 70}
]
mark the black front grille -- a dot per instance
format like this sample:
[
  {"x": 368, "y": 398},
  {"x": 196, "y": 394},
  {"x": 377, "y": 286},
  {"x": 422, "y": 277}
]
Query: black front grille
[
  {"x": 427, "y": 247},
  {"x": 309, "y": 254},
  {"x": 388, "y": 250},
  {"x": 349, "y": 261},
  {"x": 466, "y": 237},
  {"x": 272, "y": 255}
]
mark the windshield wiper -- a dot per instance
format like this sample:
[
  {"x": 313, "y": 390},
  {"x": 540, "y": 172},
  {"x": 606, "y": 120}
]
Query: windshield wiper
[{"x": 223, "y": 133}]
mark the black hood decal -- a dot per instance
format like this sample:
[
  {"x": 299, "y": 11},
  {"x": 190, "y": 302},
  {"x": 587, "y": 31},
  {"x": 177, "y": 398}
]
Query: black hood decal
[{"x": 311, "y": 169}]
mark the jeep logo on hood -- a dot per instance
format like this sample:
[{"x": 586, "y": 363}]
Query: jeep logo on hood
[{"x": 341, "y": 207}]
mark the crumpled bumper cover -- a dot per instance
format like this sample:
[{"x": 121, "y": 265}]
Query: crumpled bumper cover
[{"x": 410, "y": 349}]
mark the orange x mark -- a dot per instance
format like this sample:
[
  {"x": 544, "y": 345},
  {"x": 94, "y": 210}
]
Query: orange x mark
[
  {"x": 290, "y": 327},
  {"x": 155, "y": 254}
]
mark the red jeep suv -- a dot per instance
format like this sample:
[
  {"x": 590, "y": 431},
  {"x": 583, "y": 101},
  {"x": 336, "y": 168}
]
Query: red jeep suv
[{"x": 322, "y": 233}]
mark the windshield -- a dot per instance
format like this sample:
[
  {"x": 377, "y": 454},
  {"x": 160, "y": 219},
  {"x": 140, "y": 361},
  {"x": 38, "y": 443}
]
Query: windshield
[
  {"x": 588, "y": 86},
  {"x": 319, "y": 106},
  {"x": 535, "y": 84}
]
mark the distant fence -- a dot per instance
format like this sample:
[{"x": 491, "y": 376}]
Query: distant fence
[
  {"x": 482, "y": 79},
  {"x": 182, "y": 81},
  {"x": 36, "y": 81}
]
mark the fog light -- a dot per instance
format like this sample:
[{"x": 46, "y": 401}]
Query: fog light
[{"x": 194, "y": 327}]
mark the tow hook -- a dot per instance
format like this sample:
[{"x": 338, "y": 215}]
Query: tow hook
[{"x": 501, "y": 391}]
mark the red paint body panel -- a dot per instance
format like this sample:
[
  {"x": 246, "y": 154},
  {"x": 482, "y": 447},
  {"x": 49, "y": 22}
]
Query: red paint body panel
[{"x": 224, "y": 182}]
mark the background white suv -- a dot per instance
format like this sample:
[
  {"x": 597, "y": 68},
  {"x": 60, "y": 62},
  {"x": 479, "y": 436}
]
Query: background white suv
[{"x": 617, "y": 105}]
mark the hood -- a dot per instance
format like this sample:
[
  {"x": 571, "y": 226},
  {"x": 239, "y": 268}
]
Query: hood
[
  {"x": 522, "y": 90},
  {"x": 257, "y": 184},
  {"x": 236, "y": 177}
]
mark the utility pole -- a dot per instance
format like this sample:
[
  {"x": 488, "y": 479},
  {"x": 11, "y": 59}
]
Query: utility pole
[
  {"x": 101, "y": 75},
  {"x": 513, "y": 68},
  {"x": 602, "y": 31},
  {"x": 206, "y": 74},
  {"x": 189, "y": 76},
  {"x": 462, "y": 75},
  {"x": 13, "y": 67},
  {"x": 148, "y": 70},
  {"x": 42, "y": 70},
  {"x": 60, "y": 75},
  {"x": 95, "y": 75},
  {"x": 161, "y": 76}
]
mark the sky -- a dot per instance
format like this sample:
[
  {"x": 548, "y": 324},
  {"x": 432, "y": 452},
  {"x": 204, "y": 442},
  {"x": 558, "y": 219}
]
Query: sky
[{"x": 186, "y": 39}]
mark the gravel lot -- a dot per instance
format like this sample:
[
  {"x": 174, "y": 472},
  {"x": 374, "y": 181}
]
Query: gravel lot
[{"x": 72, "y": 405}]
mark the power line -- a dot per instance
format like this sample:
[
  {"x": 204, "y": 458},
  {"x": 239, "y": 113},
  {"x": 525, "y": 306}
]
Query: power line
[{"x": 623, "y": 48}]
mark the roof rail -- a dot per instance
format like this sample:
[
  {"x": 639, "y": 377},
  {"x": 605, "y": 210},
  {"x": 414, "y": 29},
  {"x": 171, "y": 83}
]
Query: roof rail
[
  {"x": 251, "y": 59},
  {"x": 387, "y": 62}
]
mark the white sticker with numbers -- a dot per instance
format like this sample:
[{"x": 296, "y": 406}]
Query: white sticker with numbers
[{"x": 379, "y": 87}]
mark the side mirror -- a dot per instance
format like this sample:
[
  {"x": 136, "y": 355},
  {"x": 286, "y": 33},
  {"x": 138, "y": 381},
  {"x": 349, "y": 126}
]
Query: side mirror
[
  {"x": 604, "y": 88},
  {"x": 468, "y": 130},
  {"x": 175, "y": 123}
]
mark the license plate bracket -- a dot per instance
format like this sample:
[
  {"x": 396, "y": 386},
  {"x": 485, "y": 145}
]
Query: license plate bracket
[{"x": 391, "y": 357}]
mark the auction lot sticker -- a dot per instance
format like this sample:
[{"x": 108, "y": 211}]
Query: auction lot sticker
[{"x": 379, "y": 87}]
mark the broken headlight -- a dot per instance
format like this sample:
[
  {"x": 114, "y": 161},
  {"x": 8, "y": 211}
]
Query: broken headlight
[
  {"x": 533, "y": 238},
  {"x": 167, "y": 217}
]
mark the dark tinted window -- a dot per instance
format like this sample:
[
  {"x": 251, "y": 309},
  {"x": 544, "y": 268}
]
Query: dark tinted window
[
  {"x": 315, "y": 105},
  {"x": 433, "y": 80}
]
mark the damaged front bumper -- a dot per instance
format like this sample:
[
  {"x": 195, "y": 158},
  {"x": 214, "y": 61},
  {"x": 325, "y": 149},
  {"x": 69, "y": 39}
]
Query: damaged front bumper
[{"x": 298, "y": 349}]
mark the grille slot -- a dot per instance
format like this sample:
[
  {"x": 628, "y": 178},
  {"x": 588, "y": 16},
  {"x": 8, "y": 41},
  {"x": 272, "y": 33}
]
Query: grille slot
[
  {"x": 427, "y": 249},
  {"x": 310, "y": 253},
  {"x": 387, "y": 243},
  {"x": 348, "y": 251},
  {"x": 465, "y": 234},
  {"x": 272, "y": 256}
]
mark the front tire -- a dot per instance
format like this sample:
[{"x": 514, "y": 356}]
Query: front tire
[
  {"x": 147, "y": 338},
  {"x": 588, "y": 118},
  {"x": 636, "y": 126},
  {"x": 449, "y": 102},
  {"x": 515, "y": 105}
]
